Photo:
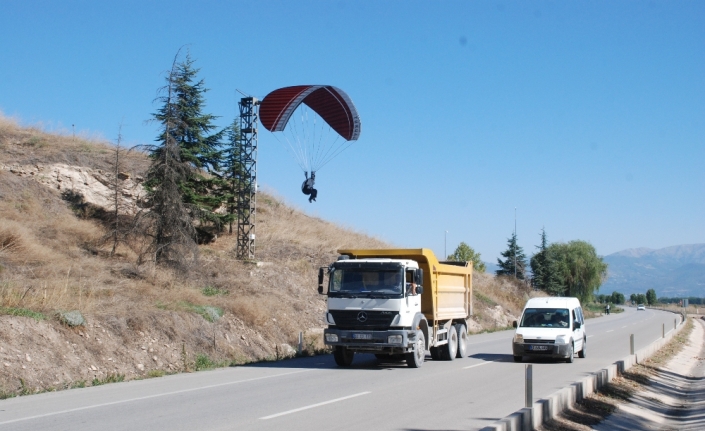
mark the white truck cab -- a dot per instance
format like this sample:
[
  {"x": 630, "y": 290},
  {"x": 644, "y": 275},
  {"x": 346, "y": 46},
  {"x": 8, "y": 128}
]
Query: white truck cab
[{"x": 550, "y": 327}]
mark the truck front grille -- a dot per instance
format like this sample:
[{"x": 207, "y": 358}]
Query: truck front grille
[{"x": 358, "y": 319}]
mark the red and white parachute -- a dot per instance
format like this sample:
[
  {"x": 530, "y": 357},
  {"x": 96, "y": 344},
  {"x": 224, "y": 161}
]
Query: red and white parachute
[{"x": 314, "y": 122}]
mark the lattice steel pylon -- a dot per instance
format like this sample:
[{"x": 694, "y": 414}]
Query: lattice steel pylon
[{"x": 247, "y": 183}]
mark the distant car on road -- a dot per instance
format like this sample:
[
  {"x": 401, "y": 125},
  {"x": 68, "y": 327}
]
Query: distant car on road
[{"x": 640, "y": 307}]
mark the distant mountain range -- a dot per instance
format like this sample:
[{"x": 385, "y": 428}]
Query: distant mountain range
[{"x": 677, "y": 271}]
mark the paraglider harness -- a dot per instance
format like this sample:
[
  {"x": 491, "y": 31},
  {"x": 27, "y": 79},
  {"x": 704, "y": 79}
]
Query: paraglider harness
[{"x": 307, "y": 186}]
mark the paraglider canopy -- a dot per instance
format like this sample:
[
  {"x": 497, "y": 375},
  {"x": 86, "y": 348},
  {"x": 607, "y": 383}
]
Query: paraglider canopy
[
  {"x": 313, "y": 138},
  {"x": 331, "y": 103}
]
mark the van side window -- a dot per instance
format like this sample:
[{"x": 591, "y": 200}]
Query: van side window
[
  {"x": 574, "y": 316},
  {"x": 581, "y": 318}
]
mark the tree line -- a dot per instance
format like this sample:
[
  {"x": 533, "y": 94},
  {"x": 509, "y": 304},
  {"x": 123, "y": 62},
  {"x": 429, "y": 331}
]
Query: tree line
[{"x": 559, "y": 269}]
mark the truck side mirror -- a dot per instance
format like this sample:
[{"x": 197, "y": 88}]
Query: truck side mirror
[
  {"x": 320, "y": 279},
  {"x": 418, "y": 276}
]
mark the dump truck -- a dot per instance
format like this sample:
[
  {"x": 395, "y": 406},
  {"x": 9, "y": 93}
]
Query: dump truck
[{"x": 397, "y": 304}]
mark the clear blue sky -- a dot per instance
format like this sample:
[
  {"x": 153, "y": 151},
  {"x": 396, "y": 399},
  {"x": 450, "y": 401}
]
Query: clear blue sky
[{"x": 588, "y": 117}]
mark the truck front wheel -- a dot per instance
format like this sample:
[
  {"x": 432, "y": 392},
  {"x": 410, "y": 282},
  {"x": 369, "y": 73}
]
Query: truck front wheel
[
  {"x": 343, "y": 357},
  {"x": 415, "y": 359}
]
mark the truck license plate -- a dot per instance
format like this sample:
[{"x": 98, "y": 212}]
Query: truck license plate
[
  {"x": 362, "y": 336},
  {"x": 538, "y": 347}
]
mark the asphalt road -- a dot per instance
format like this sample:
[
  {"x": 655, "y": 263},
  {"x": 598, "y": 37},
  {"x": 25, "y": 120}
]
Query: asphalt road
[{"x": 314, "y": 394}]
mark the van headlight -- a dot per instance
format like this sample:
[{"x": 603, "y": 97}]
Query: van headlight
[
  {"x": 518, "y": 338},
  {"x": 332, "y": 338},
  {"x": 394, "y": 339},
  {"x": 561, "y": 339}
]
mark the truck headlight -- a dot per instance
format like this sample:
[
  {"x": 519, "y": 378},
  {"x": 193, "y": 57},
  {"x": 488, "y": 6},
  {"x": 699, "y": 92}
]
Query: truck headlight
[
  {"x": 561, "y": 339},
  {"x": 518, "y": 338},
  {"x": 331, "y": 338},
  {"x": 394, "y": 339}
]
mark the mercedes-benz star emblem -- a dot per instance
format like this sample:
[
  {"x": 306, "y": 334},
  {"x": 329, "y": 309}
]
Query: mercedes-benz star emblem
[{"x": 362, "y": 317}]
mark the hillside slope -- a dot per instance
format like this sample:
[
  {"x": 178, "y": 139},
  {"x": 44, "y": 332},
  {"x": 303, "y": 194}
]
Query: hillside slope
[{"x": 145, "y": 320}]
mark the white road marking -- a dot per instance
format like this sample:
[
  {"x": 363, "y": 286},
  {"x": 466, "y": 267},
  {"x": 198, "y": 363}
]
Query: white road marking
[
  {"x": 623, "y": 327},
  {"x": 589, "y": 336},
  {"x": 150, "y": 396},
  {"x": 313, "y": 406},
  {"x": 610, "y": 330},
  {"x": 478, "y": 365}
]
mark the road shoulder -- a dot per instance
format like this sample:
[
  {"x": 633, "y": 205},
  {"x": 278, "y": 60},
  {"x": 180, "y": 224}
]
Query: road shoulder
[{"x": 674, "y": 396}]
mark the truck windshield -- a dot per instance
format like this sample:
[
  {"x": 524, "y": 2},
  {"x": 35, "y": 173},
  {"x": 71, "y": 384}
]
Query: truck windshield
[
  {"x": 365, "y": 282},
  {"x": 545, "y": 318}
]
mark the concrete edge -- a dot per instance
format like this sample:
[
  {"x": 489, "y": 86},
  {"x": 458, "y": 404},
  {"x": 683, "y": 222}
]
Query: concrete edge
[{"x": 528, "y": 419}]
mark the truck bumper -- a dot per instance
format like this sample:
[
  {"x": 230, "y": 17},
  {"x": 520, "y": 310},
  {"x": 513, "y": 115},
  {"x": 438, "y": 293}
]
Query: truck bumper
[
  {"x": 541, "y": 350},
  {"x": 370, "y": 341}
]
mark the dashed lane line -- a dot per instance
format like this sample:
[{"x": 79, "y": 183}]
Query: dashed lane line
[{"x": 313, "y": 406}]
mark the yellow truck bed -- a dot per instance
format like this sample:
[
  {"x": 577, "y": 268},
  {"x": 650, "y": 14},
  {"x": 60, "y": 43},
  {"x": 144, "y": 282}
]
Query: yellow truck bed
[{"x": 447, "y": 287}]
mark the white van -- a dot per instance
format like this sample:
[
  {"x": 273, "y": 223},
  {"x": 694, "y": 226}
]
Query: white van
[{"x": 550, "y": 327}]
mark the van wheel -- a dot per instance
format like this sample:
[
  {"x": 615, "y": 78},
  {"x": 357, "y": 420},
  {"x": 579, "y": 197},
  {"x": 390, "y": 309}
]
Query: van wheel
[
  {"x": 462, "y": 341},
  {"x": 518, "y": 358},
  {"x": 415, "y": 359},
  {"x": 343, "y": 357},
  {"x": 451, "y": 349},
  {"x": 581, "y": 353},
  {"x": 571, "y": 354}
]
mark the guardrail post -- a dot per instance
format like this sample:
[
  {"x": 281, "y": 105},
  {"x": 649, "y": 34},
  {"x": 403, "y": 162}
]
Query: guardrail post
[
  {"x": 674, "y": 323},
  {"x": 529, "y": 395},
  {"x": 631, "y": 344},
  {"x": 663, "y": 330},
  {"x": 301, "y": 342}
]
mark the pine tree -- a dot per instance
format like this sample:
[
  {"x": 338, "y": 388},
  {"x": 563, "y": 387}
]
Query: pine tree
[
  {"x": 170, "y": 222},
  {"x": 515, "y": 260},
  {"x": 231, "y": 175},
  {"x": 191, "y": 130}
]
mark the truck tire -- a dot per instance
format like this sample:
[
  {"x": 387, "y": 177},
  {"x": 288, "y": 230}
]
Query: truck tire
[
  {"x": 581, "y": 353},
  {"x": 436, "y": 354},
  {"x": 415, "y": 359},
  {"x": 571, "y": 354},
  {"x": 343, "y": 357},
  {"x": 451, "y": 349},
  {"x": 518, "y": 358},
  {"x": 462, "y": 340}
]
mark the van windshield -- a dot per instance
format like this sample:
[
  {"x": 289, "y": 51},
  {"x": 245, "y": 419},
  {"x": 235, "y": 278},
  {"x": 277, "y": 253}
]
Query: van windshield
[{"x": 545, "y": 318}]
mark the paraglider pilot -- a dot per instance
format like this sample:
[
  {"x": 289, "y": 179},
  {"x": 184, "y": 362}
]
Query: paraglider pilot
[{"x": 307, "y": 187}]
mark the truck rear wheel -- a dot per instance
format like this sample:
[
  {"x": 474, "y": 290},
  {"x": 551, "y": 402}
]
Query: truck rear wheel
[
  {"x": 462, "y": 340},
  {"x": 415, "y": 359},
  {"x": 343, "y": 357},
  {"x": 451, "y": 349},
  {"x": 436, "y": 353}
]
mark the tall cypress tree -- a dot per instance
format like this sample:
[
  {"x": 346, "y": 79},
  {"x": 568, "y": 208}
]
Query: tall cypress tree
[
  {"x": 546, "y": 274},
  {"x": 515, "y": 260}
]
